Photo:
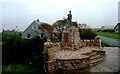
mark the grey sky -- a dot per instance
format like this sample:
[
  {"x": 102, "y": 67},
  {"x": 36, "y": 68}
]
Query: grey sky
[{"x": 95, "y": 13}]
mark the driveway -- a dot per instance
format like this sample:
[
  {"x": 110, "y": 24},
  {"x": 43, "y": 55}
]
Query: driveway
[{"x": 113, "y": 41}]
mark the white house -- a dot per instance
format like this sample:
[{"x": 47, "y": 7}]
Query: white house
[
  {"x": 117, "y": 28},
  {"x": 119, "y": 11},
  {"x": 34, "y": 30}
]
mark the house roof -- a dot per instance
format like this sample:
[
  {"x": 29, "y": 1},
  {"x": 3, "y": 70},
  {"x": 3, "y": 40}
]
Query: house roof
[
  {"x": 35, "y": 21},
  {"x": 118, "y": 24},
  {"x": 38, "y": 22}
]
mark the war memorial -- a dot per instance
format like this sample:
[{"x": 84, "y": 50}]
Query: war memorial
[{"x": 72, "y": 53}]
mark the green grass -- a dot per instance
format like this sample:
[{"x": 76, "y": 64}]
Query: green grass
[
  {"x": 0, "y": 43},
  {"x": 111, "y": 35},
  {"x": 16, "y": 68},
  {"x": 106, "y": 44}
]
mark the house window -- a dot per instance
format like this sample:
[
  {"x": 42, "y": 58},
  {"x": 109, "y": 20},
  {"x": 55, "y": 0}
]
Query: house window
[
  {"x": 28, "y": 35},
  {"x": 34, "y": 27},
  {"x": 116, "y": 29}
]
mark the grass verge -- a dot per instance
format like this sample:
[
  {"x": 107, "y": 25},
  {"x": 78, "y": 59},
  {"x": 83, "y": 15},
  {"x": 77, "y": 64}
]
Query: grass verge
[
  {"x": 0, "y": 43},
  {"x": 16, "y": 68},
  {"x": 111, "y": 35},
  {"x": 106, "y": 44}
]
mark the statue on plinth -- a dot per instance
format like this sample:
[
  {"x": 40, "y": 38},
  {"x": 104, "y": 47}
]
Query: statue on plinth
[{"x": 69, "y": 17}]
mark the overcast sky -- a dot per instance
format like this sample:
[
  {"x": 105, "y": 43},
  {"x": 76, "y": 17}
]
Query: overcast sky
[{"x": 94, "y": 13}]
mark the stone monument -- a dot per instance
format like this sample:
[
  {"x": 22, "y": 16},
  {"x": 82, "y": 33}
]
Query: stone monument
[
  {"x": 72, "y": 53},
  {"x": 70, "y": 38}
]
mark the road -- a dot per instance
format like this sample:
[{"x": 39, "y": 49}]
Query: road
[{"x": 113, "y": 41}]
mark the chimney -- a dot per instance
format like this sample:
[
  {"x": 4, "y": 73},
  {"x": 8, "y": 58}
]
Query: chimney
[{"x": 38, "y": 20}]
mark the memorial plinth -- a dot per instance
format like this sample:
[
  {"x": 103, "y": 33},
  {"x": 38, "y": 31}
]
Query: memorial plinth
[
  {"x": 71, "y": 39},
  {"x": 72, "y": 53}
]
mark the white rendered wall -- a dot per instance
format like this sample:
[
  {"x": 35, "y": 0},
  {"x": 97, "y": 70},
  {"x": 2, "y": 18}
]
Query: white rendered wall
[{"x": 119, "y": 11}]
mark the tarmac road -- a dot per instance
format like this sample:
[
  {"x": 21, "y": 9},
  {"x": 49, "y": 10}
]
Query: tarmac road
[{"x": 113, "y": 41}]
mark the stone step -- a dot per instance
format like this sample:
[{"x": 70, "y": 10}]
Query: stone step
[
  {"x": 90, "y": 53},
  {"x": 93, "y": 54},
  {"x": 95, "y": 57},
  {"x": 95, "y": 62}
]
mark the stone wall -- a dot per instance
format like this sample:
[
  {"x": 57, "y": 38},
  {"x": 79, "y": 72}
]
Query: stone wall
[
  {"x": 91, "y": 43},
  {"x": 72, "y": 64},
  {"x": 68, "y": 65},
  {"x": 70, "y": 38},
  {"x": 51, "y": 66},
  {"x": 95, "y": 57}
]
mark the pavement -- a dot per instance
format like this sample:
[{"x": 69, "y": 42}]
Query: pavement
[
  {"x": 113, "y": 41},
  {"x": 110, "y": 64}
]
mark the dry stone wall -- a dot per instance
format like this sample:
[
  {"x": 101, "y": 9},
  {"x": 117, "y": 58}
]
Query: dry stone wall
[
  {"x": 91, "y": 43},
  {"x": 72, "y": 64}
]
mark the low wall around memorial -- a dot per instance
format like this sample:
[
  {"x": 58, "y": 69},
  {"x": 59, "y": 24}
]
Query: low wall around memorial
[
  {"x": 72, "y": 64},
  {"x": 91, "y": 43},
  {"x": 94, "y": 58}
]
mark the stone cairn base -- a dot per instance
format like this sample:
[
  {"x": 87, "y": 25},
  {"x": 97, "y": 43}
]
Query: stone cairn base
[
  {"x": 73, "y": 53},
  {"x": 88, "y": 60}
]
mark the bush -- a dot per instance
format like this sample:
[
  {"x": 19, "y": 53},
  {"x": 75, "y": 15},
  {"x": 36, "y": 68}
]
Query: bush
[
  {"x": 58, "y": 38},
  {"x": 11, "y": 45},
  {"x": 18, "y": 50},
  {"x": 87, "y": 33},
  {"x": 108, "y": 30}
]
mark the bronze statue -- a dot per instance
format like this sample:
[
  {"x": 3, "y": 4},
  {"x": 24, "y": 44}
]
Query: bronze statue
[{"x": 69, "y": 16}]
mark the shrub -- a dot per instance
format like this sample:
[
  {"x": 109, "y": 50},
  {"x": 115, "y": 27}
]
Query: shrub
[
  {"x": 87, "y": 33},
  {"x": 108, "y": 30},
  {"x": 11, "y": 45},
  {"x": 18, "y": 50},
  {"x": 58, "y": 38}
]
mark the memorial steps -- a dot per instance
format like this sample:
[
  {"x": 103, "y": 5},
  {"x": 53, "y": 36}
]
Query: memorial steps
[
  {"x": 96, "y": 61},
  {"x": 74, "y": 60},
  {"x": 81, "y": 59},
  {"x": 96, "y": 57}
]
